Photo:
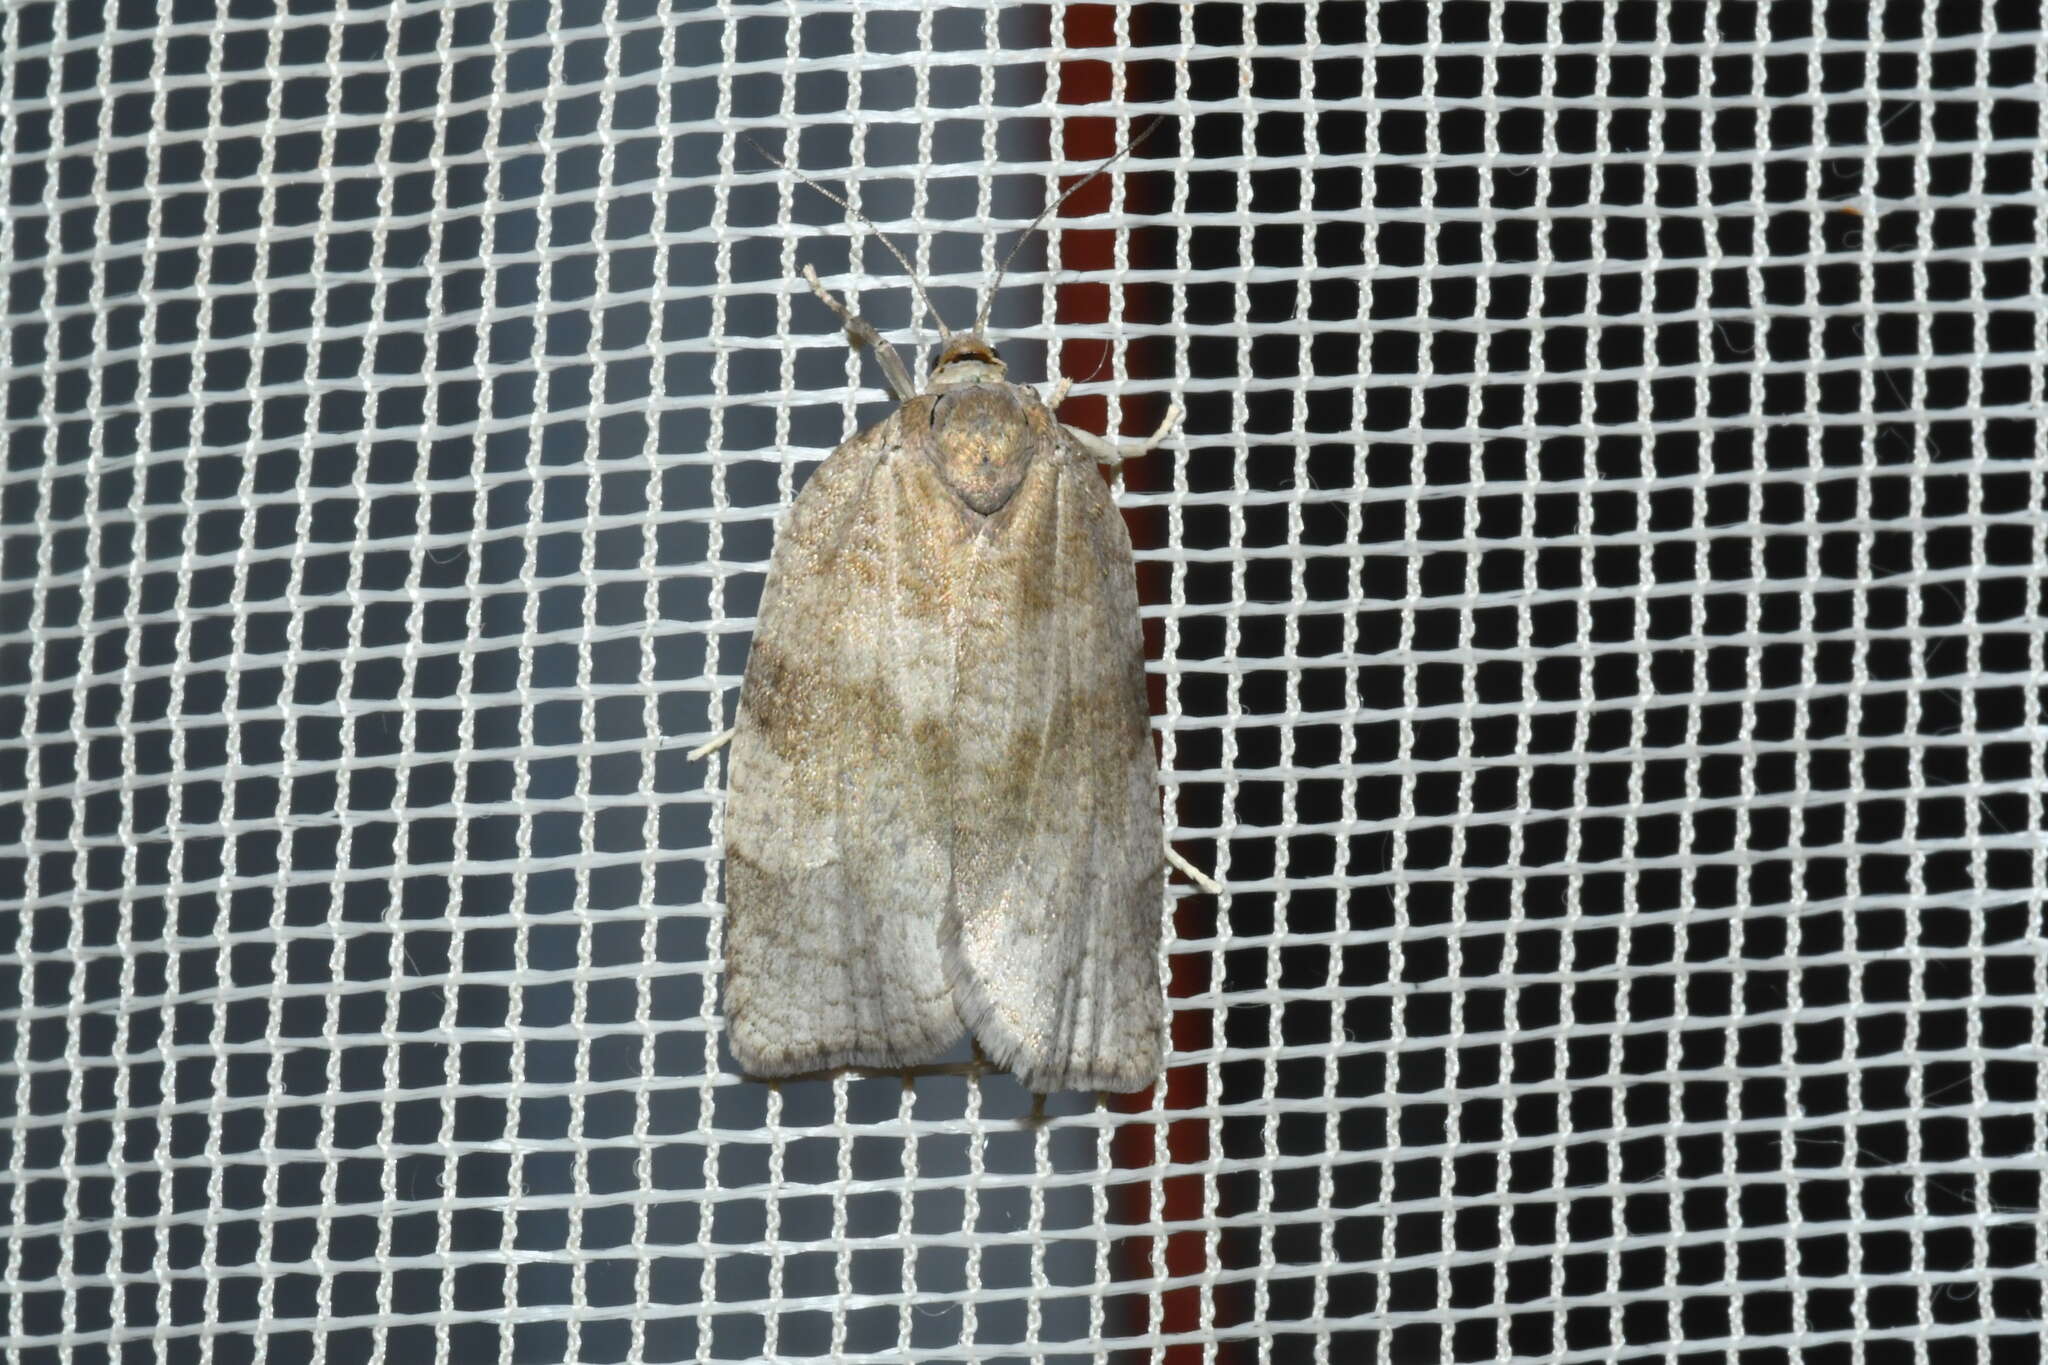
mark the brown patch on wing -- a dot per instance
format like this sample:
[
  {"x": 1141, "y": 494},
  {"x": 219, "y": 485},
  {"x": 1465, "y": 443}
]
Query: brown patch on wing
[
  {"x": 1118, "y": 738},
  {"x": 791, "y": 698}
]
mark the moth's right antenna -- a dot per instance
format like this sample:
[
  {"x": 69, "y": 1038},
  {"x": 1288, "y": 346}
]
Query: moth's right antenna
[
  {"x": 909, "y": 270},
  {"x": 981, "y": 319}
]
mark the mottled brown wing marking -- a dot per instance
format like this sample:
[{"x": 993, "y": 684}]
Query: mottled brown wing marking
[
  {"x": 1052, "y": 937},
  {"x": 837, "y": 833},
  {"x": 789, "y": 698}
]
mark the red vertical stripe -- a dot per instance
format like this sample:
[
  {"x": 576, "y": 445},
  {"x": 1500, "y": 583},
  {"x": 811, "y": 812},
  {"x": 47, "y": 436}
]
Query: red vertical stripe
[{"x": 1086, "y": 261}]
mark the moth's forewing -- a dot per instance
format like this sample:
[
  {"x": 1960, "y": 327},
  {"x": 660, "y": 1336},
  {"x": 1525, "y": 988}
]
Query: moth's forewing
[
  {"x": 837, "y": 841},
  {"x": 1052, "y": 934}
]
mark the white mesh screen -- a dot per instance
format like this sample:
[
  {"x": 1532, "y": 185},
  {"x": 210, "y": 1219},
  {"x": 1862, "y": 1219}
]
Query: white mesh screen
[{"x": 1596, "y": 597}]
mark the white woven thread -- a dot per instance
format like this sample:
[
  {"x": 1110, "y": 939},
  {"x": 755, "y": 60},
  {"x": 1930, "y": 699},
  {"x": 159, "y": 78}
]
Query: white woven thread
[{"x": 1616, "y": 710}]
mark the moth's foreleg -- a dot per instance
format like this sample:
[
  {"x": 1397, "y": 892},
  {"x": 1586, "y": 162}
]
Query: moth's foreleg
[
  {"x": 1204, "y": 883},
  {"x": 861, "y": 333},
  {"x": 1105, "y": 451},
  {"x": 710, "y": 746}
]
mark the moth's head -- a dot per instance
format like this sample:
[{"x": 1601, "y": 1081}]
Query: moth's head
[{"x": 966, "y": 358}]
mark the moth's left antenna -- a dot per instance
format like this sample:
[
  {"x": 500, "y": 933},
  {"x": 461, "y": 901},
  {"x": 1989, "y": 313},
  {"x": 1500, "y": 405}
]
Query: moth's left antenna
[{"x": 909, "y": 270}]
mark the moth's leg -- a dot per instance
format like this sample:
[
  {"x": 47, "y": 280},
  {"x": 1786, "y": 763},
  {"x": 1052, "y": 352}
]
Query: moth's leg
[
  {"x": 1204, "y": 883},
  {"x": 1105, "y": 451},
  {"x": 861, "y": 333},
  {"x": 1058, "y": 394},
  {"x": 710, "y": 746},
  {"x": 906, "y": 1074}
]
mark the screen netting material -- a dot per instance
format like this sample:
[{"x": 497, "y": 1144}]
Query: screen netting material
[{"x": 1594, "y": 596}]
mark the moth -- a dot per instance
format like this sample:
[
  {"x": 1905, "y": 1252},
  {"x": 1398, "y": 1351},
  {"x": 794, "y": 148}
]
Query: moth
[{"x": 943, "y": 812}]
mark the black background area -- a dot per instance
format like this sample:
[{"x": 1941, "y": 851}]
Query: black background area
[{"x": 1714, "y": 862}]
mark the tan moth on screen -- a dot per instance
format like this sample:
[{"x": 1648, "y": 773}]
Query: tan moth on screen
[{"x": 943, "y": 813}]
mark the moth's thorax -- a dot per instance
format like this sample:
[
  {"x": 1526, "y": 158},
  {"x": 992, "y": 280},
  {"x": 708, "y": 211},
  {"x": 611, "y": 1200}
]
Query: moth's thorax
[{"x": 983, "y": 429}]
